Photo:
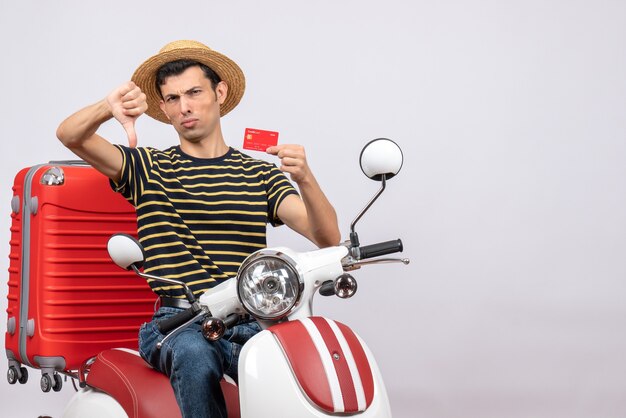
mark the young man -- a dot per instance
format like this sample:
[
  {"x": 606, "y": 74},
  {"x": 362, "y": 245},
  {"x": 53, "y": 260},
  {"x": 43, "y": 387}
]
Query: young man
[{"x": 202, "y": 206}]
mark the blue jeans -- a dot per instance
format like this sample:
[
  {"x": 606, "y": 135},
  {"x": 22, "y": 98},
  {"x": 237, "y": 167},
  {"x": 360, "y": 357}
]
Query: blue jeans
[{"x": 194, "y": 365}]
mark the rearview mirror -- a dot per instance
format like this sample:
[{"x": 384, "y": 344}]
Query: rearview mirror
[
  {"x": 380, "y": 160},
  {"x": 381, "y": 157},
  {"x": 125, "y": 251}
]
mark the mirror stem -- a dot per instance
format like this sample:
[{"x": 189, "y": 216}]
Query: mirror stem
[
  {"x": 354, "y": 237},
  {"x": 188, "y": 293}
]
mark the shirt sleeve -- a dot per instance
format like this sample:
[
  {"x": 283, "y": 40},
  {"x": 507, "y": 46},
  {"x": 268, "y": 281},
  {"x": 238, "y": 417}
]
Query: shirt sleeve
[
  {"x": 136, "y": 164},
  {"x": 278, "y": 188}
]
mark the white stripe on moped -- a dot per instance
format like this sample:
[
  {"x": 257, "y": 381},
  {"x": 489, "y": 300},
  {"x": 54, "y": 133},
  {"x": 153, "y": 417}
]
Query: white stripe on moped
[
  {"x": 327, "y": 362},
  {"x": 354, "y": 370}
]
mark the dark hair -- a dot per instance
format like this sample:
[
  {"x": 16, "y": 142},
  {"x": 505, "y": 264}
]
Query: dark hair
[{"x": 178, "y": 67}]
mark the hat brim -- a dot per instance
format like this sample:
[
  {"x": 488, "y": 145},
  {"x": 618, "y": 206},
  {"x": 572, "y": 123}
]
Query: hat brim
[{"x": 227, "y": 69}]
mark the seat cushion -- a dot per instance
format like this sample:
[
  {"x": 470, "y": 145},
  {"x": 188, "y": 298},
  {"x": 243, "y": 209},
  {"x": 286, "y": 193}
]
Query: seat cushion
[{"x": 142, "y": 391}]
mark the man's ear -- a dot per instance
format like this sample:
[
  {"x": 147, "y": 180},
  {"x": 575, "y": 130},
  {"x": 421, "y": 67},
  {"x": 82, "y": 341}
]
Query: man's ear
[
  {"x": 162, "y": 106},
  {"x": 221, "y": 92}
]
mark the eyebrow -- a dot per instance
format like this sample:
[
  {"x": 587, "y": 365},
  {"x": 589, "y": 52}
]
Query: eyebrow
[{"x": 174, "y": 95}]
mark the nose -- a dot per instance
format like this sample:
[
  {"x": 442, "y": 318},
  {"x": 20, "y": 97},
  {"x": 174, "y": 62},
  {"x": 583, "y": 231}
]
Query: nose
[{"x": 185, "y": 106}]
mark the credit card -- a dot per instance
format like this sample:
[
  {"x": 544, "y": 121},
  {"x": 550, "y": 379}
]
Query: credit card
[{"x": 259, "y": 140}]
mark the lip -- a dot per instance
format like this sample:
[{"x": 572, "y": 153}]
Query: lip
[{"x": 189, "y": 123}]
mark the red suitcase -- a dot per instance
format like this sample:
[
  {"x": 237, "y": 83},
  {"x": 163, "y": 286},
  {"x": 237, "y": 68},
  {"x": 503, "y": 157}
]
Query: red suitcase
[{"x": 67, "y": 301}]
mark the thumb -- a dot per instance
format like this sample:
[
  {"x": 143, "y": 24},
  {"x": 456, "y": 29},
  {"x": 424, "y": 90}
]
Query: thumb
[
  {"x": 129, "y": 127},
  {"x": 273, "y": 150}
]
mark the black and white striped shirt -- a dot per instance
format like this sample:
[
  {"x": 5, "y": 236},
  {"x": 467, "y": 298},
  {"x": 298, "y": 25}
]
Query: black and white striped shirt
[{"x": 198, "y": 219}]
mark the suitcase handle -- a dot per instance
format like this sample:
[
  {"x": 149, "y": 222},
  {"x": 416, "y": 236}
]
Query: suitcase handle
[{"x": 69, "y": 162}]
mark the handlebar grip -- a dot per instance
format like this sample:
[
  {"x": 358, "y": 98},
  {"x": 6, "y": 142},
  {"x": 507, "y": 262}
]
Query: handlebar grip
[
  {"x": 327, "y": 288},
  {"x": 231, "y": 320},
  {"x": 381, "y": 248},
  {"x": 168, "y": 324}
]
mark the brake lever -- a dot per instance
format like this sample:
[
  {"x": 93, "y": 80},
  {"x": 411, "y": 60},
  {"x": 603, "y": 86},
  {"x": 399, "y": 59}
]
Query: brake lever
[{"x": 353, "y": 265}]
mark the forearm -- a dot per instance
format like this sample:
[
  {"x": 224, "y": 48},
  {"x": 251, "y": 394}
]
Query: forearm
[
  {"x": 78, "y": 133},
  {"x": 312, "y": 216},
  {"x": 322, "y": 218},
  {"x": 82, "y": 125}
]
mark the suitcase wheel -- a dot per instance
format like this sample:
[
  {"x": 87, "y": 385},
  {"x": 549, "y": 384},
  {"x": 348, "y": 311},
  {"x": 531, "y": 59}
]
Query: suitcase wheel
[
  {"x": 17, "y": 375},
  {"x": 48, "y": 382},
  {"x": 58, "y": 382},
  {"x": 12, "y": 375},
  {"x": 24, "y": 377},
  {"x": 45, "y": 383}
]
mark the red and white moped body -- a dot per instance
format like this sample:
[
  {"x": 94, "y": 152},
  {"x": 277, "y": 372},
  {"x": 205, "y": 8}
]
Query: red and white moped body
[{"x": 309, "y": 366}]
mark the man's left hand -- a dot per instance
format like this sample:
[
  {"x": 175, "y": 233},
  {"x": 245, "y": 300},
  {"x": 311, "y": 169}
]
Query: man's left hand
[{"x": 293, "y": 161}]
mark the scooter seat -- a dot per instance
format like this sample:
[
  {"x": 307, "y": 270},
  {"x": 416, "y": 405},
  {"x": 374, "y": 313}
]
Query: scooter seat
[{"x": 142, "y": 391}]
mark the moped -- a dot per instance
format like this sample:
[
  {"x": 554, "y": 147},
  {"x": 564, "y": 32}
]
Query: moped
[{"x": 299, "y": 365}]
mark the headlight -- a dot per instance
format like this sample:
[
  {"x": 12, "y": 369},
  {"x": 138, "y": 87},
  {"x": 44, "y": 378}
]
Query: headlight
[{"x": 269, "y": 285}]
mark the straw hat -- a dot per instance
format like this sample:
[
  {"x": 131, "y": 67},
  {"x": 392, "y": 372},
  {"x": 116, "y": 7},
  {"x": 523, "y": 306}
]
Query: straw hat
[{"x": 145, "y": 75}]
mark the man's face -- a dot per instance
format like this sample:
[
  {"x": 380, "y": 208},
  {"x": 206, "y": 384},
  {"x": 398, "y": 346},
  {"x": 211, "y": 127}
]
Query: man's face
[{"x": 191, "y": 104}]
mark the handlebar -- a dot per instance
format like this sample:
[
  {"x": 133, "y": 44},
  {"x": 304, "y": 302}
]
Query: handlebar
[
  {"x": 382, "y": 248},
  {"x": 168, "y": 324}
]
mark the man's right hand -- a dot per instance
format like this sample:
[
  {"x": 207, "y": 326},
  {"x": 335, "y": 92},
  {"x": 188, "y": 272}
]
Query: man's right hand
[{"x": 127, "y": 103}]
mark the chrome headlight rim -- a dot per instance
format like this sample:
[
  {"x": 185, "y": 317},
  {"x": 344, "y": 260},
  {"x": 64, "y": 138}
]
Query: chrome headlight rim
[{"x": 273, "y": 254}]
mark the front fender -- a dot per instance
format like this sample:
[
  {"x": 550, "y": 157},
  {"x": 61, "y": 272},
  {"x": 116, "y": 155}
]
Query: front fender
[{"x": 314, "y": 367}]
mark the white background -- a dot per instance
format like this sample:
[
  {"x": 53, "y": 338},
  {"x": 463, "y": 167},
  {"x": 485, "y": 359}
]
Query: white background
[{"x": 511, "y": 202}]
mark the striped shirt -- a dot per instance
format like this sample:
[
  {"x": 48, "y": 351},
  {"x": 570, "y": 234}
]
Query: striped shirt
[{"x": 198, "y": 219}]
